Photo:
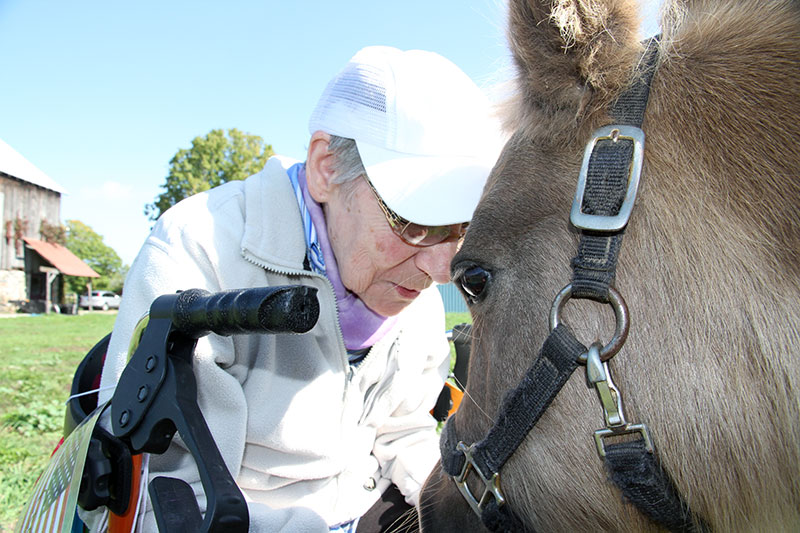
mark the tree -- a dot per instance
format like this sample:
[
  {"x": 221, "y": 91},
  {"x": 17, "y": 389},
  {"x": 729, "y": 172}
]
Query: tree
[
  {"x": 89, "y": 246},
  {"x": 217, "y": 158}
]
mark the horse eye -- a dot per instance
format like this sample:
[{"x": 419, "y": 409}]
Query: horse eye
[{"x": 473, "y": 282}]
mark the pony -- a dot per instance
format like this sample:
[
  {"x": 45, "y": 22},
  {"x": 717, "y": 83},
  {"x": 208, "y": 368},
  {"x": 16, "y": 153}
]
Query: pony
[{"x": 709, "y": 267}]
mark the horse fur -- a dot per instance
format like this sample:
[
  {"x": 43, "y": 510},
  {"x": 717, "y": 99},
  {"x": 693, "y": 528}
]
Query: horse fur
[{"x": 709, "y": 265}]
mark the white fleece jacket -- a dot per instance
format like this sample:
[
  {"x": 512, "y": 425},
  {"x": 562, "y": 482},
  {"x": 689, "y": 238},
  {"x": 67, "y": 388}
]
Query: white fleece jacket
[{"x": 311, "y": 441}]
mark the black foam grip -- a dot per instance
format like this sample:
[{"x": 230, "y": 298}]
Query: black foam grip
[{"x": 281, "y": 309}]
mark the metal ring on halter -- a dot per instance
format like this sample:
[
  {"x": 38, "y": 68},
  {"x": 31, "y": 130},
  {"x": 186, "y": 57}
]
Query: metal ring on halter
[{"x": 620, "y": 308}]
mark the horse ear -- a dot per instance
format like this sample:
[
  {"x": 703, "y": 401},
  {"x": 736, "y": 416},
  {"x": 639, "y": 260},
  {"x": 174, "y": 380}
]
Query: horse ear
[{"x": 568, "y": 52}]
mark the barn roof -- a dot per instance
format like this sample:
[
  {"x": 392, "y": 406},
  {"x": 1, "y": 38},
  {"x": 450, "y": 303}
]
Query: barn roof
[
  {"x": 65, "y": 261},
  {"x": 16, "y": 166}
]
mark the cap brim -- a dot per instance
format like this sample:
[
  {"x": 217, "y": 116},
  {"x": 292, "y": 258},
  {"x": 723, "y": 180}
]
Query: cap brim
[{"x": 428, "y": 190}]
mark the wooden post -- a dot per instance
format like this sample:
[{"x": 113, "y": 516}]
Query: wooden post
[
  {"x": 89, "y": 285},
  {"x": 50, "y": 274}
]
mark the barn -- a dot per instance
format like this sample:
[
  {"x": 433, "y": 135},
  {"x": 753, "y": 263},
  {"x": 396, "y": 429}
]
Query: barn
[{"x": 32, "y": 267}]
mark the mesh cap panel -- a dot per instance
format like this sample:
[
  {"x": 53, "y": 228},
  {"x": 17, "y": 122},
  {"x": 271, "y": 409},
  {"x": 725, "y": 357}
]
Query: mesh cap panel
[{"x": 354, "y": 105}]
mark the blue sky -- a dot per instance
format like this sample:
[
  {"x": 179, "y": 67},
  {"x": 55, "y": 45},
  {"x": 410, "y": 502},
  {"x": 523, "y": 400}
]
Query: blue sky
[{"x": 100, "y": 95}]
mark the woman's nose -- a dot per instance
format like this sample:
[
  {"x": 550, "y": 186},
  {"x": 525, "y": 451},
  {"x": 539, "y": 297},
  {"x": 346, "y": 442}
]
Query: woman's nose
[{"x": 435, "y": 260}]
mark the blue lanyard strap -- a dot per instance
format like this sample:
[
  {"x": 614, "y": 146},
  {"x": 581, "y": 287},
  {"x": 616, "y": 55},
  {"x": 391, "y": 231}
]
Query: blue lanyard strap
[{"x": 314, "y": 250}]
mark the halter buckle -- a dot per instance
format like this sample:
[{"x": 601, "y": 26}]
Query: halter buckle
[
  {"x": 491, "y": 486},
  {"x": 609, "y": 223}
]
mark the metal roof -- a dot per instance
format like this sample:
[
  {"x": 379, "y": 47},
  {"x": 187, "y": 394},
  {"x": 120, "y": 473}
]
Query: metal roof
[
  {"x": 16, "y": 166},
  {"x": 65, "y": 261}
]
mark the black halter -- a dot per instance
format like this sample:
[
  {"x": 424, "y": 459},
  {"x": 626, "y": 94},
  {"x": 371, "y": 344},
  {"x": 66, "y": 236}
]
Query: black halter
[{"x": 606, "y": 190}]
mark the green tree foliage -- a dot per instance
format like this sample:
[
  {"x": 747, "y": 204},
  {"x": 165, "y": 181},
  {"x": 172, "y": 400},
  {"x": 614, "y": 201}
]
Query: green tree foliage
[
  {"x": 212, "y": 160},
  {"x": 89, "y": 246}
]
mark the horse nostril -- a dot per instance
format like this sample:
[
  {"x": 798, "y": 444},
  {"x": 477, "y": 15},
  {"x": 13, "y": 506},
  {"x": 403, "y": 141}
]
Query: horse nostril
[{"x": 473, "y": 282}]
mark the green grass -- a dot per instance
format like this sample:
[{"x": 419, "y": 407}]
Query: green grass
[
  {"x": 38, "y": 356},
  {"x": 457, "y": 318}
]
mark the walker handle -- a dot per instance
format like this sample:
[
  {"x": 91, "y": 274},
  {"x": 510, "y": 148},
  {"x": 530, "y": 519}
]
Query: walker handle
[{"x": 282, "y": 309}]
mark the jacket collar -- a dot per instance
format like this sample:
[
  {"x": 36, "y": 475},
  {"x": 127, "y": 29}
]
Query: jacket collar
[{"x": 273, "y": 233}]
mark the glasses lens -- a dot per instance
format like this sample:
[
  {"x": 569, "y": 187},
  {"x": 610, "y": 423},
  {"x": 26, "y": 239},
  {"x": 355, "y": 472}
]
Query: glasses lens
[
  {"x": 429, "y": 235},
  {"x": 417, "y": 234}
]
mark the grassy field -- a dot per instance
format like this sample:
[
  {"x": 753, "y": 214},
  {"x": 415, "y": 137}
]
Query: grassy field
[{"x": 38, "y": 356}]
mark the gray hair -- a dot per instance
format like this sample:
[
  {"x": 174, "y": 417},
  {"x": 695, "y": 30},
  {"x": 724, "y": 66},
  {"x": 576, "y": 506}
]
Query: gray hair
[{"x": 348, "y": 165}]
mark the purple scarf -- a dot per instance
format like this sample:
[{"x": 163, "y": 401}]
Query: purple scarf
[{"x": 361, "y": 326}]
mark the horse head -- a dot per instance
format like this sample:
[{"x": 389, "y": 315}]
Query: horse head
[{"x": 708, "y": 268}]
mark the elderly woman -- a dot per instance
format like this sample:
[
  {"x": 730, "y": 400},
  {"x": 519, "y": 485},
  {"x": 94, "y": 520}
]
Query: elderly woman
[{"x": 318, "y": 428}]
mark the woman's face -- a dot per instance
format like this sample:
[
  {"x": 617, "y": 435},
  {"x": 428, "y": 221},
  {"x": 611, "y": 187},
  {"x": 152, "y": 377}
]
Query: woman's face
[{"x": 384, "y": 271}]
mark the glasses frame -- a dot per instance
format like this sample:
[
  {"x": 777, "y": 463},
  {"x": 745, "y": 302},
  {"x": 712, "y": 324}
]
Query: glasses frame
[{"x": 400, "y": 225}]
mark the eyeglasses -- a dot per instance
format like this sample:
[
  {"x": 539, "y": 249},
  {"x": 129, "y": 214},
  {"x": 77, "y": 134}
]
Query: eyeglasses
[{"x": 417, "y": 234}]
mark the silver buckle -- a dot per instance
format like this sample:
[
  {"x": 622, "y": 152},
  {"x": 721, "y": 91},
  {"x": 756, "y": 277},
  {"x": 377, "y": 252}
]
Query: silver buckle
[
  {"x": 491, "y": 486},
  {"x": 609, "y": 223}
]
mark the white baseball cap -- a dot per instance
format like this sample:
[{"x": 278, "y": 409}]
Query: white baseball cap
[{"x": 425, "y": 132}]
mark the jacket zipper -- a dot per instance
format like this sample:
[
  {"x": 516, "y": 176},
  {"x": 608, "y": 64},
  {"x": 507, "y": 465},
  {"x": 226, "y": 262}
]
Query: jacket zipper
[{"x": 287, "y": 272}]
